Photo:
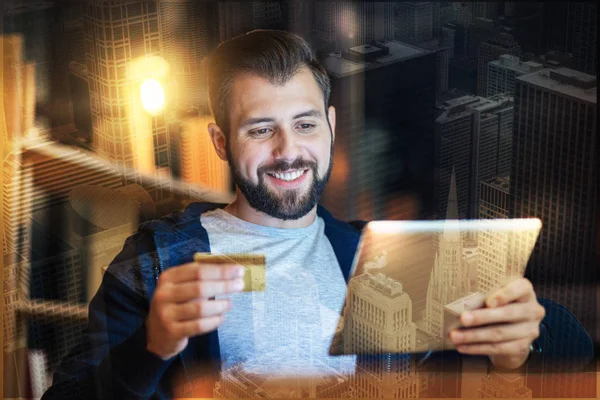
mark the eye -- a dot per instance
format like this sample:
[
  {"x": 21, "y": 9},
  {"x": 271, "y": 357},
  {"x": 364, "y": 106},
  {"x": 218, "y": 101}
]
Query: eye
[
  {"x": 305, "y": 127},
  {"x": 260, "y": 132}
]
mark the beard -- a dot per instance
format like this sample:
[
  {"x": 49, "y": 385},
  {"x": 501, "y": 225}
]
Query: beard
[{"x": 291, "y": 204}]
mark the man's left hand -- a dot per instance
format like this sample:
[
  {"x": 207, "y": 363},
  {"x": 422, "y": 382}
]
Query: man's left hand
[{"x": 505, "y": 328}]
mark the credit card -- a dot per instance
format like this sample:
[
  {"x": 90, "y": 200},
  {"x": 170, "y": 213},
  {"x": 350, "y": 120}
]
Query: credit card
[{"x": 255, "y": 279}]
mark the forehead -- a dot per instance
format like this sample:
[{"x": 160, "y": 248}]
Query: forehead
[{"x": 252, "y": 96}]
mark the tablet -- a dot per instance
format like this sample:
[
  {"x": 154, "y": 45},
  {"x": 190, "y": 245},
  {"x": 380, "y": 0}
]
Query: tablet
[{"x": 410, "y": 280}]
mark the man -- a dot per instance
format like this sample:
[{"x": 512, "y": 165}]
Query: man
[{"x": 157, "y": 312}]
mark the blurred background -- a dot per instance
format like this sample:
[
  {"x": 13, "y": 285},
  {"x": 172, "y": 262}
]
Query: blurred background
[{"x": 103, "y": 124}]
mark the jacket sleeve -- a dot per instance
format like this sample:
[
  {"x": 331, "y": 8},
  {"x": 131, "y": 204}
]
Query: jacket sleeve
[
  {"x": 564, "y": 344},
  {"x": 111, "y": 361}
]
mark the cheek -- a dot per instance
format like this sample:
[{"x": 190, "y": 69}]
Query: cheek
[
  {"x": 249, "y": 160},
  {"x": 325, "y": 155}
]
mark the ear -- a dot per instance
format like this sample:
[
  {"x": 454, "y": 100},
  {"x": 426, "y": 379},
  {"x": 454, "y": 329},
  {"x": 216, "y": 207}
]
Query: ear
[
  {"x": 331, "y": 118},
  {"x": 219, "y": 140}
]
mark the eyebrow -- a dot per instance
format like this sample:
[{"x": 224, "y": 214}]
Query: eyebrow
[{"x": 260, "y": 120}]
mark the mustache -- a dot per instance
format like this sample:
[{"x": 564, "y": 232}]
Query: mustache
[{"x": 282, "y": 166}]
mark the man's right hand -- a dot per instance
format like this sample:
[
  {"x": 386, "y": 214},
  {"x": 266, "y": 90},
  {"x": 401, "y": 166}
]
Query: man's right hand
[{"x": 184, "y": 306}]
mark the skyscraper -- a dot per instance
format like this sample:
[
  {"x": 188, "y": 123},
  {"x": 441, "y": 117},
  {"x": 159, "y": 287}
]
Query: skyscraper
[
  {"x": 198, "y": 161},
  {"x": 42, "y": 26},
  {"x": 494, "y": 198},
  {"x": 459, "y": 12},
  {"x": 473, "y": 138},
  {"x": 442, "y": 60},
  {"x": 341, "y": 25},
  {"x": 414, "y": 20},
  {"x": 582, "y": 35},
  {"x": 502, "y": 73},
  {"x": 237, "y": 17},
  {"x": 378, "y": 317},
  {"x": 486, "y": 9},
  {"x": 554, "y": 177},
  {"x": 80, "y": 96},
  {"x": 384, "y": 125},
  {"x": 299, "y": 17},
  {"x": 117, "y": 34},
  {"x": 490, "y": 50},
  {"x": 189, "y": 32}
]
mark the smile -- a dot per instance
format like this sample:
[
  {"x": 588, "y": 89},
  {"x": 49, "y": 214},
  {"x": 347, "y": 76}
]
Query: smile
[{"x": 289, "y": 176}]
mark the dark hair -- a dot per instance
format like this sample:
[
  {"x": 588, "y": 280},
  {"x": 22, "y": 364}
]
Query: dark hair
[{"x": 270, "y": 54}]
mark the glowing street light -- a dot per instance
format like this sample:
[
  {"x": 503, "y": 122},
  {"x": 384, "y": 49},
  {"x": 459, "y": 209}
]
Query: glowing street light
[
  {"x": 152, "y": 95},
  {"x": 149, "y": 75}
]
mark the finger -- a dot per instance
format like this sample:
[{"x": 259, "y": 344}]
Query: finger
[
  {"x": 187, "y": 291},
  {"x": 517, "y": 290},
  {"x": 496, "y": 333},
  {"x": 512, "y": 347},
  {"x": 198, "y": 326},
  {"x": 514, "y": 312},
  {"x": 198, "y": 309},
  {"x": 195, "y": 271}
]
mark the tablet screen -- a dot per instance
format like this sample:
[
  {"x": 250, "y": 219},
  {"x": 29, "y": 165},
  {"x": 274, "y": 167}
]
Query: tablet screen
[{"x": 410, "y": 280}]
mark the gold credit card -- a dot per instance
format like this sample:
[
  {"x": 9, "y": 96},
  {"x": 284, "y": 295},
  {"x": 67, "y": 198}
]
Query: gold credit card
[{"x": 255, "y": 277}]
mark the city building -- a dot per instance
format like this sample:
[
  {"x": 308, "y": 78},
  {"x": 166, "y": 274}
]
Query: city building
[
  {"x": 526, "y": 25},
  {"x": 504, "y": 385},
  {"x": 378, "y": 323},
  {"x": 99, "y": 229},
  {"x": 473, "y": 137},
  {"x": 493, "y": 252},
  {"x": 494, "y": 198},
  {"x": 299, "y": 18},
  {"x": 18, "y": 98},
  {"x": 198, "y": 161},
  {"x": 41, "y": 24},
  {"x": 414, "y": 20},
  {"x": 486, "y": 9},
  {"x": 442, "y": 60},
  {"x": 449, "y": 278},
  {"x": 447, "y": 39},
  {"x": 502, "y": 73},
  {"x": 116, "y": 37},
  {"x": 453, "y": 310},
  {"x": 457, "y": 12},
  {"x": 555, "y": 59},
  {"x": 80, "y": 96},
  {"x": 73, "y": 31},
  {"x": 554, "y": 178},
  {"x": 235, "y": 382},
  {"x": 457, "y": 36},
  {"x": 489, "y": 50},
  {"x": 384, "y": 125},
  {"x": 378, "y": 316},
  {"x": 54, "y": 176},
  {"x": 341, "y": 25},
  {"x": 237, "y": 17},
  {"x": 189, "y": 32},
  {"x": 582, "y": 39}
]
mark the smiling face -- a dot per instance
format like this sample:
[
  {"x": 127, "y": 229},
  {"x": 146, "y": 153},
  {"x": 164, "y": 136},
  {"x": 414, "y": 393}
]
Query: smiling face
[{"x": 280, "y": 144}]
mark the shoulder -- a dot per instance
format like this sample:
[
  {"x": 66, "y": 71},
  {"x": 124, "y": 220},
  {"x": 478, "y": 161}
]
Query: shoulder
[
  {"x": 134, "y": 265},
  {"x": 336, "y": 226}
]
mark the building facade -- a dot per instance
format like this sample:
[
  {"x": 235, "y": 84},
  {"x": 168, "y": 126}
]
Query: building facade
[
  {"x": 502, "y": 73},
  {"x": 554, "y": 178}
]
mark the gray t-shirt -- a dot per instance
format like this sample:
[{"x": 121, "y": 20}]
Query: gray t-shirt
[{"x": 287, "y": 329}]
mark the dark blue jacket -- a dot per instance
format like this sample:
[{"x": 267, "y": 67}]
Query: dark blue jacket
[{"x": 112, "y": 361}]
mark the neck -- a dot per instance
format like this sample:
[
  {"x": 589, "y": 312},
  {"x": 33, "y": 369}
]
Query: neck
[{"x": 241, "y": 209}]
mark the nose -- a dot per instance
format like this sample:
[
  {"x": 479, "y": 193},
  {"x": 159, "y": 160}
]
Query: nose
[{"x": 286, "y": 146}]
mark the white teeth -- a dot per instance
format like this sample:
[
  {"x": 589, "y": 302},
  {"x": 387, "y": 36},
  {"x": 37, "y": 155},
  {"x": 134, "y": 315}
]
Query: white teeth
[{"x": 289, "y": 176}]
